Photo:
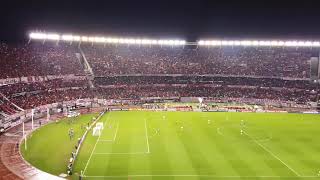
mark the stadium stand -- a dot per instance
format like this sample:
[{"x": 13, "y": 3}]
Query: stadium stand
[
  {"x": 241, "y": 61},
  {"x": 38, "y": 60},
  {"x": 122, "y": 71}
]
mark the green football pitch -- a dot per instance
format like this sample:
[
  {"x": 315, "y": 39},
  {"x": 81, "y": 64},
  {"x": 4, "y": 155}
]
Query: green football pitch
[{"x": 200, "y": 145}]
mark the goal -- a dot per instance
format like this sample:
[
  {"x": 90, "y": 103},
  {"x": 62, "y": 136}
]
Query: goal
[{"x": 97, "y": 130}]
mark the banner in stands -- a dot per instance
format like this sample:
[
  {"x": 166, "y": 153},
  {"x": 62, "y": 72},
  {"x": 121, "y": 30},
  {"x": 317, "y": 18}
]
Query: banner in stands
[{"x": 39, "y": 79}]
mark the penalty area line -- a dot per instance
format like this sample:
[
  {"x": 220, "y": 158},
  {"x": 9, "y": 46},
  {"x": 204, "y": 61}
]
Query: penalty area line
[
  {"x": 115, "y": 135},
  {"x": 94, "y": 147},
  {"x": 147, "y": 138},
  {"x": 270, "y": 152}
]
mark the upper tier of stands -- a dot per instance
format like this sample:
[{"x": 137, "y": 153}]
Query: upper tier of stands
[
  {"x": 240, "y": 61},
  {"x": 40, "y": 59},
  {"x": 37, "y": 59}
]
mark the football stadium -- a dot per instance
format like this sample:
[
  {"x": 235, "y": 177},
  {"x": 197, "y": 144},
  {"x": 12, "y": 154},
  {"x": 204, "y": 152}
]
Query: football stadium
[
  {"x": 82, "y": 104},
  {"x": 126, "y": 108}
]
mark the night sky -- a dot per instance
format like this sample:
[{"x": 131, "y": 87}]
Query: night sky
[{"x": 187, "y": 20}]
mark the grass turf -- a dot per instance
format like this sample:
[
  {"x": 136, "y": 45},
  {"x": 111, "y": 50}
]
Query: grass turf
[
  {"x": 153, "y": 145},
  {"x": 49, "y": 148}
]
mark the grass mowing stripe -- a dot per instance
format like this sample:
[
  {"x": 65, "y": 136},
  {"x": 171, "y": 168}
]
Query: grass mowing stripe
[
  {"x": 120, "y": 153},
  {"x": 198, "y": 175},
  {"x": 85, "y": 168},
  {"x": 270, "y": 152}
]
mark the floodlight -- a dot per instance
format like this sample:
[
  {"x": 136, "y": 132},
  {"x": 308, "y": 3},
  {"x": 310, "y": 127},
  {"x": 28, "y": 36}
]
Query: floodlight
[
  {"x": 53, "y": 36},
  {"x": 207, "y": 43},
  {"x": 294, "y": 43},
  {"x": 218, "y": 43},
  {"x": 131, "y": 41},
  {"x": 76, "y": 38},
  {"x": 84, "y": 38},
  {"x": 291, "y": 43},
  {"x": 99, "y": 39},
  {"x": 115, "y": 40},
  {"x": 264, "y": 43},
  {"x": 267, "y": 43},
  {"x": 274, "y": 43},
  {"x": 215, "y": 43},
  {"x": 237, "y": 43},
  {"x": 255, "y": 43},
  {"x": 246, "y": 43},
  {"x": 230, "y": 43},
  {"x": 37, "y": 36},
  {"x": 91, "y": 39},
  {"x": 224, "y": 43},
  {"x": 182, "y": 42},
  {"x": 144, "y": 41},
  {"x": 121, "y": 40},
  {"x": 166, "y": 42},
  {"x": 170, "y": 42},
  {"x": 316, "y": 43},
  {"x": 308, "y": 43},
  {"x": 108, "y": 40},
  {"x": 138, "y": 41},
  {"x": 67, "y": 37}
]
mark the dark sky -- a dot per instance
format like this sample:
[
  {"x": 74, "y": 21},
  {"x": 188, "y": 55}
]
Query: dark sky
[{"x": 189, "y": 20}]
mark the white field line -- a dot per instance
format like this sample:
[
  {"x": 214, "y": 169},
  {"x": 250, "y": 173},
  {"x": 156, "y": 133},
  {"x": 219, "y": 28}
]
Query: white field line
[
  {"x": 95, "y": 145},
  {"x": 270, "y": 152},
  {"x": 121, "y": 153},
  {"x": 115, "y": 135},
  {"x": 126, "y": 153},
  {"x": 110, "y": 140},
  {"x": 145, "y": 126},
  {"x": 198, "y": 175}
]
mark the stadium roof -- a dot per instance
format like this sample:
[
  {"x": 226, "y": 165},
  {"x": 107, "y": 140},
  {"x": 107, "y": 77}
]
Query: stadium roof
[
  {"x": 169, "y": 42},
  {"x": 100, "y": 39}
]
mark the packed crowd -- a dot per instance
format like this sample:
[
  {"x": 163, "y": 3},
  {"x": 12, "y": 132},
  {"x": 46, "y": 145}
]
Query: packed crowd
[
  {"x": 13, "y": 89},
  {"x": 134, "y": 72},
  {"x": 31, "y": 100},
  {"x": 280, "y": 94},
  {"x": 218, "y": 80},
  {"x": 38, "y": 60},
  {"x": 48, "y": 97},
  {"x": 241, "y": 61}
]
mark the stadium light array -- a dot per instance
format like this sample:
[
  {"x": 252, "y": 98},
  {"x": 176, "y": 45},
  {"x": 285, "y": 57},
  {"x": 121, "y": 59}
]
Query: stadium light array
[
  {"x": 104, "y": 40},
  {"x": 273, "y": 43}
]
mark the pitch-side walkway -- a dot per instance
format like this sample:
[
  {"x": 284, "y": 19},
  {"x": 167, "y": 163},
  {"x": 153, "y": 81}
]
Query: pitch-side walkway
[{"x": 12, "y": 165}]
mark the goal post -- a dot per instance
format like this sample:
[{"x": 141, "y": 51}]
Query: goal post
[
  {"x": 99, "y": 124},
  {"x": 97, "y": 129}
]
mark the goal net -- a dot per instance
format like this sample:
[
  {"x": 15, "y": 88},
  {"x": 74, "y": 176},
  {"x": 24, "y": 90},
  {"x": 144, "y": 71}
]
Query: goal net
[
  {"x": 96, "y": 131},
  {"x": 99, "y": 124}
]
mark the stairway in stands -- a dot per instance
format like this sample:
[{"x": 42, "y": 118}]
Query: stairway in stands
[
  {"x": 7, "y": 107},
  {"x": 86, "y": 67}
]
